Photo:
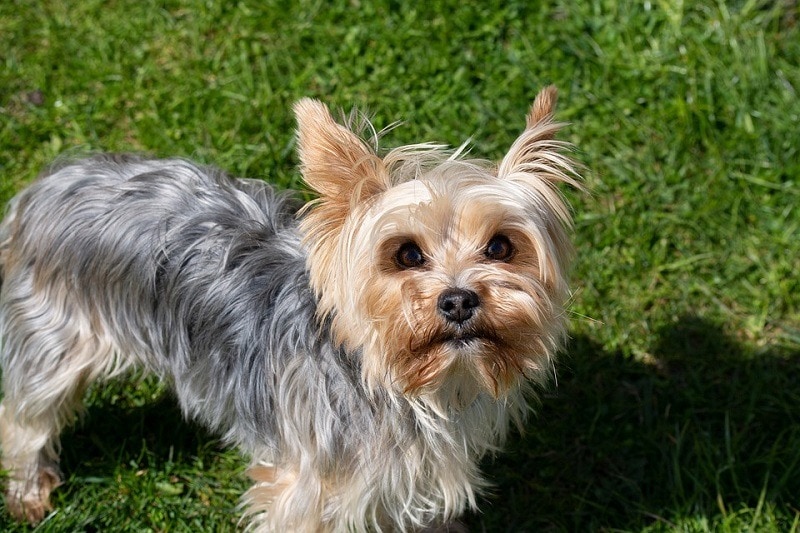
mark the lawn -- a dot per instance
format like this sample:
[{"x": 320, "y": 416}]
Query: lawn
[{"x": 677, "y": 406}]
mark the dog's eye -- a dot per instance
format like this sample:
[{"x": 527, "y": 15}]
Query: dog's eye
[
  {"x": 499, "y": 248},
  {"x": 409, "y": 256}
]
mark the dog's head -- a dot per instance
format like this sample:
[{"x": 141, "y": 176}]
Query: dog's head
[{"x": 448, "y": 274}]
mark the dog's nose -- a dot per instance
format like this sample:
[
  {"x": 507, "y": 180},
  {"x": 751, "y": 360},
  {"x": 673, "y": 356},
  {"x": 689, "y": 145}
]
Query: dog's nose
[{"x": 458, "y": 305}]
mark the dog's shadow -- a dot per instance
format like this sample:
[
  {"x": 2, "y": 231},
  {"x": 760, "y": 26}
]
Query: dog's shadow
[
  {"x": 133, "y": 437},
  {"x": 700, "y": 427},
  {"x": 128, "y": 432},
  {"x": 703, "y": 424}
]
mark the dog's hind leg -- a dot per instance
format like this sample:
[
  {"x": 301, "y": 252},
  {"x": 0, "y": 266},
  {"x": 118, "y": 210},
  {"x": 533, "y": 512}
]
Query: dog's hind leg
[
  {"x": 49, "y": 354},
  {"x": 30, "y": 459}
]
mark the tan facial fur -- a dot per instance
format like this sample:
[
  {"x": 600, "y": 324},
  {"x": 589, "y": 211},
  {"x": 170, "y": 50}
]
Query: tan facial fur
[{"x": 450, "y": 208}]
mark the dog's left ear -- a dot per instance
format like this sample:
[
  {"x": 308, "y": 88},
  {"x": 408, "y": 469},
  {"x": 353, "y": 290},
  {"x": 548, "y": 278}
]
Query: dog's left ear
[
  {"x": 536, "y": 157},
  {"x": 543, "y": 108}
]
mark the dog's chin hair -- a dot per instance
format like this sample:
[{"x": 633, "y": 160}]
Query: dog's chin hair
[{"x": 307, "y": 344}]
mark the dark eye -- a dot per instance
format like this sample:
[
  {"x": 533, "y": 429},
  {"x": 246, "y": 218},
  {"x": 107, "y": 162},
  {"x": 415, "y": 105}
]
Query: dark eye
[
  {"x": 499, "y": 248},
  {"x": 409, "y": 256}
]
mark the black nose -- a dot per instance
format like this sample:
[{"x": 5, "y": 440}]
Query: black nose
[{"x": 458, "y": 305}]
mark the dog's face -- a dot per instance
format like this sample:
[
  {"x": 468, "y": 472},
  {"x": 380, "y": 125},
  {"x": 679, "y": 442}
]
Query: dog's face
[{"x": 449, "y": 275}]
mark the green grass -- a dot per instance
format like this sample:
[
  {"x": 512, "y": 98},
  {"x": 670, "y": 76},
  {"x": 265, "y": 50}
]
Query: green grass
[{"x": 678, "y": 402}]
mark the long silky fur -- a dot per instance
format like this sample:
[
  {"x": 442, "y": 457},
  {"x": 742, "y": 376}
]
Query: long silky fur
[
  {"x": 119, "y": 261},
  {"x": 251, "y": 312}
]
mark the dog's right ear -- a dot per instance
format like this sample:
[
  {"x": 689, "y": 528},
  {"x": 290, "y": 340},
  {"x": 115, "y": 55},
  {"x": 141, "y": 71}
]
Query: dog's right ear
[
  {"x": 345, "y": 173},
  {"x": 336, "y": 164}
]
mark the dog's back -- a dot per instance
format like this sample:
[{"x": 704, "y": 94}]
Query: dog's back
[{"x": 114, "y": 261}]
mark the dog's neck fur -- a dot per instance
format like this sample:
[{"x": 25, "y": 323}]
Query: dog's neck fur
[{"x": 416, "y": 460}]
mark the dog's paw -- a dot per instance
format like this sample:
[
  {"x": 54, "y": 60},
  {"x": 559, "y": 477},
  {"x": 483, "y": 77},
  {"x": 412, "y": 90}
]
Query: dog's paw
[{"x": 29, "y": 500}]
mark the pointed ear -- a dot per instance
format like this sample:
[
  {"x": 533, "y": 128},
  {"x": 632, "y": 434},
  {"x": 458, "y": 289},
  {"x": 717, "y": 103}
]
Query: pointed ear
[
  {"x": 345, "y": 172},
  {"x": 536, "y": 157},
  {"x": 543, "y": 107},
  {"x": 334, "y": 161}
]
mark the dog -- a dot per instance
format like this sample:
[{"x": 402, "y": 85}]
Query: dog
[{"x": 364, "y": 350}]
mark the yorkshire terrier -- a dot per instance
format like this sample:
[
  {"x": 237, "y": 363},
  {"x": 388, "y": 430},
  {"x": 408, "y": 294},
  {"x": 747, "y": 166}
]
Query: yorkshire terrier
[{"x": 364, "y": 351}]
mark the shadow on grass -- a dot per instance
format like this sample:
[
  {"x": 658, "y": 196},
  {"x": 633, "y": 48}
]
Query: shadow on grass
[
  {"x": 131, "y": 464},
  {"x": 137, "y": 436},
  {"x": 704, "y": 429}
]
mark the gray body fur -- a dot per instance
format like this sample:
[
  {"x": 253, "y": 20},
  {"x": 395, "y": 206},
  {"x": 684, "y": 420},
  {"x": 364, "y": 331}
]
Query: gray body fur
[{"x": 116, "y": 261}]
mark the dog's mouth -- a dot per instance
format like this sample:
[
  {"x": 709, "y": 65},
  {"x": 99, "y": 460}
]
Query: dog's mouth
[
  {"x": 464, "y": 340},
  {"x": 468, "y": 339}
]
